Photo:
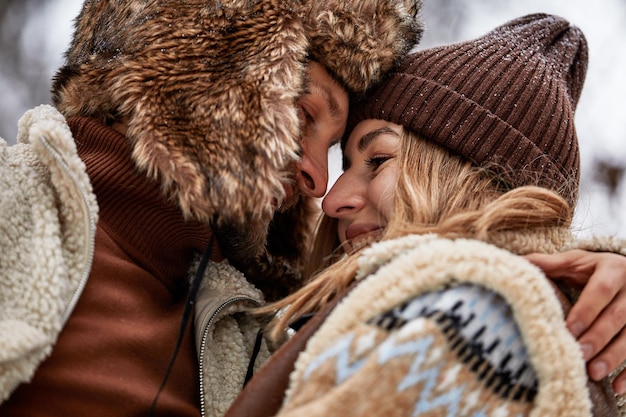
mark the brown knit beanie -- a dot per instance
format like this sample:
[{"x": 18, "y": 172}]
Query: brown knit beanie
[{"x": 504, "y": 100}]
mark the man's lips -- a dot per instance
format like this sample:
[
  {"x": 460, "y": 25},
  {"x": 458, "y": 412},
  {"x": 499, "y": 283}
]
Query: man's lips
[
  {"x": 288, "y": 192},
  {"x": 290, "y": 200}
]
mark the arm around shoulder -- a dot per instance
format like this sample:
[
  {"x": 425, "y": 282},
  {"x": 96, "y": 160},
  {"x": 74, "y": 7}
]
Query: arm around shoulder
[{"x": 437, "y": 324}]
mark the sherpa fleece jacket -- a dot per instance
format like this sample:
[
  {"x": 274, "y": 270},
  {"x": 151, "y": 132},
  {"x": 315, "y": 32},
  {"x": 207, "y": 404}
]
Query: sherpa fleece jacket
[
  {"x": 439, "y": 327},
  {"x": 228, "y": 340},
  {"x": 48, "y": 216}
]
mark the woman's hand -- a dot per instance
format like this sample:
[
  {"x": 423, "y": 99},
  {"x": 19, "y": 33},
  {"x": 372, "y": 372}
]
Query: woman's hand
[{"x": 598, "y": 318}]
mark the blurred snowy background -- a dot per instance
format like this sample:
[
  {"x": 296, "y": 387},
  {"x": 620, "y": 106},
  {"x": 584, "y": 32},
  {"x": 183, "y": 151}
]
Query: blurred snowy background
[{"x": 34, "y": 34}]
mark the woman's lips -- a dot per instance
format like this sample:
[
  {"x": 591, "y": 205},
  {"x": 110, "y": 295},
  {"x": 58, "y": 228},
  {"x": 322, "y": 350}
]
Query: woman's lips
[{"x": 359, "y": 230}]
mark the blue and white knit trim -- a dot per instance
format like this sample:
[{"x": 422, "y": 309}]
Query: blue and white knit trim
[{"x": 480, "y": 327}]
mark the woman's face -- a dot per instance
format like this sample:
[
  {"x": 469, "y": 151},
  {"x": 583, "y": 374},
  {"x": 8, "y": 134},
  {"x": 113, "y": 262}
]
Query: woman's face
[{"x": 362, "y": 197}]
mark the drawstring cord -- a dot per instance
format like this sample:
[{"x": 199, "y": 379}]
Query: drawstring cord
[
  {"x": 187, "y": 312},
  {"x": 255, "y": 353}
]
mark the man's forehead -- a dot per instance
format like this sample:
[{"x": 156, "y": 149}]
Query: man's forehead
[
  {"x": 330, "y": 99},
  {"x": 320, "y": 83}
]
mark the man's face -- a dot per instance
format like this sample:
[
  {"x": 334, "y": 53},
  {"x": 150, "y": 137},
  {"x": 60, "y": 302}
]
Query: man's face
[{"x": 323, "y": 112}]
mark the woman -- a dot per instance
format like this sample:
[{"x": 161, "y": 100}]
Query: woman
[{"x": 463, "y": 159}]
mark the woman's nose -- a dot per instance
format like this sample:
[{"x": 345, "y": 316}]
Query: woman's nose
[{"x": 343, "y": 198}]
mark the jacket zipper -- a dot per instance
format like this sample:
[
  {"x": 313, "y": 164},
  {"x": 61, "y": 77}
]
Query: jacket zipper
[
  {"x": 90, "y": 226},
  {"x": 205, "y": 333}
]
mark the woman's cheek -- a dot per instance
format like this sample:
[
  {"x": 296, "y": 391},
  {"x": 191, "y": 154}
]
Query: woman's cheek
[{"x": 382, "y": 191}]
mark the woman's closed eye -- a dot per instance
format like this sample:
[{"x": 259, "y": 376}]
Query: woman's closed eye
[{"x": 377, "y": 161}]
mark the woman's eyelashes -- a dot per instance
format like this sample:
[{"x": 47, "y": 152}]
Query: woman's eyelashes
[{"x": 377, "y": 161}]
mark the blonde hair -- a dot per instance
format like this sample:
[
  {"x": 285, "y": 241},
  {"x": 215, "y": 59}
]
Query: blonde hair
[{"x": 438, "y": 192}]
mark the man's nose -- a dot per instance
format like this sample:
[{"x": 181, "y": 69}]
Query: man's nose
[{"x": 312, "y": 177}]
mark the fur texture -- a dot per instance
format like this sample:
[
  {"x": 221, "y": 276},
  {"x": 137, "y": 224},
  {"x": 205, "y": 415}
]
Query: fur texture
[
  {"x": 359, "y": 41},
  {"x": 208, "y": 91}
]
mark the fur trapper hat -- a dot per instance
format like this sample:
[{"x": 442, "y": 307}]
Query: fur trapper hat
[{"x": 207, "y": 90}]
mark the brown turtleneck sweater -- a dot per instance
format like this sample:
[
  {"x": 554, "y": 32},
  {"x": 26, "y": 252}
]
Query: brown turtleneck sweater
[{"x": 112, "y": 355}]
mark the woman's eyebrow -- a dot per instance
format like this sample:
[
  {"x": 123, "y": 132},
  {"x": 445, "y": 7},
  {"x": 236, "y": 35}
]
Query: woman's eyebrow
[{"x": 367, "y": 138}]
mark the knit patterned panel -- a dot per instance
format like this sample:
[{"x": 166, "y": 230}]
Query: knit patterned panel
[
  {"x": 481, "y": 330},
  {"x": 452, "y": 352}
]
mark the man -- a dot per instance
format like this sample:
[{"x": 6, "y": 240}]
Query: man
[{"x": 178, "y": 134}]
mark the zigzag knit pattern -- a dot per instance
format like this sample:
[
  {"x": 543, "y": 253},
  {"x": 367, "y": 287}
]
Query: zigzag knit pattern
[
  {"x": 452, "y": 352},
  {"x": 479, "y": 326}
]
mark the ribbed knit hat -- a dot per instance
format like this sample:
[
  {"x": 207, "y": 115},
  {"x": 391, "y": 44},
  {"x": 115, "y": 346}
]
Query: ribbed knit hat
[{"x": 504, "y": 100}]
